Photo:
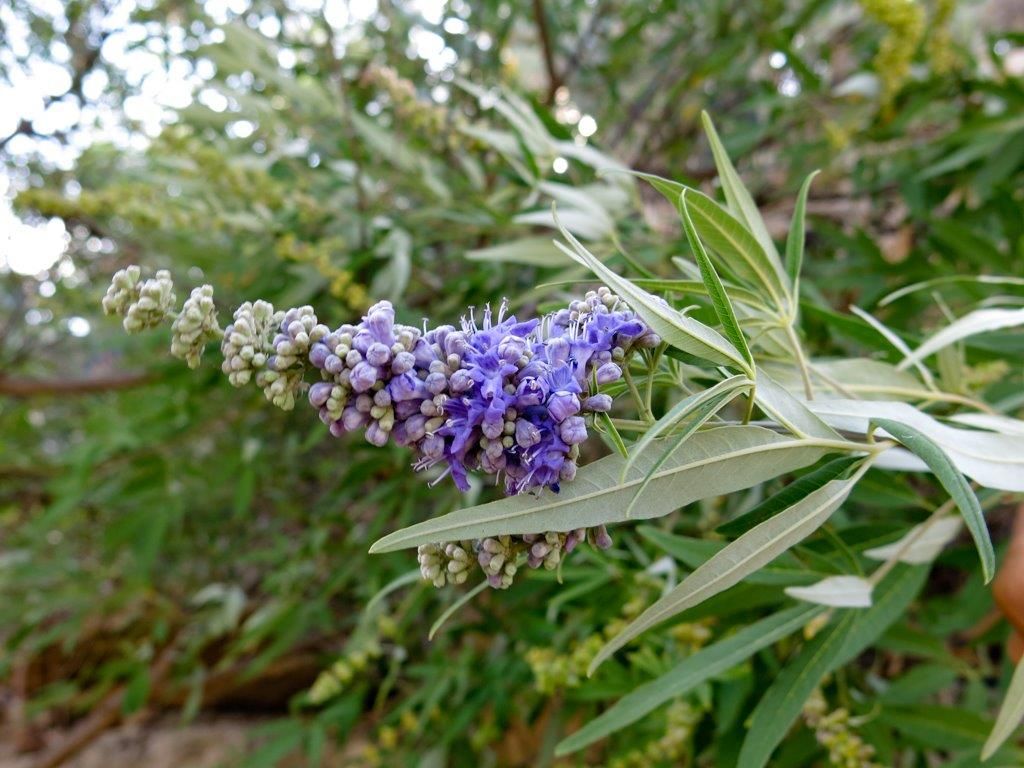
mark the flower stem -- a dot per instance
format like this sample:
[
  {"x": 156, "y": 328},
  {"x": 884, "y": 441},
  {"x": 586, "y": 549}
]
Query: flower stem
[{"x": 645, "y": 411}]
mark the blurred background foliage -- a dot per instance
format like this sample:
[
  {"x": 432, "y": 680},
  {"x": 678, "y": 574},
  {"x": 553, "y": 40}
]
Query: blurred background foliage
[{"x": 170, "y": 544}]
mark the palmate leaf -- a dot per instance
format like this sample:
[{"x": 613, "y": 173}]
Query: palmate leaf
[
  {"x": 712, "y": 463},
  {"x": 754, "y": 549},
  {"x": 955, "y": 484},
  {"x": 691, "y": 672}
]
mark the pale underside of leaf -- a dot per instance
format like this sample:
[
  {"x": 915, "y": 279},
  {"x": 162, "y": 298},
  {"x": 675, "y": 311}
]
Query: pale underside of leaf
[
  {"x": 754, "y": 549},
  {"x": 953, "y": 481},
  {"x": 790, "y": 412},
  {"x": 992, "y": 459},
  {"x": 681, "y": 411},
  {"x": 917, "y": 547},
  {"x": 1011, "y": 712},
  {"x": 712, "y": 463},
  {"x": 835, "y": 591},
  {"x": 979, "y": 321}
]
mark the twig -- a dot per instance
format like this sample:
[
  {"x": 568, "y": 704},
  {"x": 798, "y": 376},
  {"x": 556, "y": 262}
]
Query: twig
[
  {"x": 45, "y": 387},
  {"x": 540, "y": 19}
]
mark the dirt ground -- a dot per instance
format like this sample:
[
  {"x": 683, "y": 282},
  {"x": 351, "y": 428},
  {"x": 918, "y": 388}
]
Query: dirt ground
[{"x": 210, "y": 742}]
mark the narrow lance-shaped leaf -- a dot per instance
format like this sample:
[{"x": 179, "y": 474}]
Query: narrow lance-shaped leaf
[
  {"x": 680, "y": 411},
  {"x": 691, "y": 672},
  {"x": 748, "y": 553},
  {"x": 698, "y": 418},
  {"x": 781, "y": 705},
  {"x": 919, "y": 546},
  {"x": 777, "y": 402},
  {"x": 1011, "y": 712},
  {"x": 739, "y": 199},
  {"x": 674, "y": 327},
  {"x": 895, "y": 340},
  {"x": 716, "y": 291},
  {"x": 836, "y": 591},
  {"x": 979, "y": 321},
  {"x": 791, "y": 494},
  {"x": 712, "y": 463},
  {"x": 953, "y": 481},
  {"x": 739, "y": 251},
  {"x": 827, "y": 651},
  {"x": 993, "y": 459},
  {"x": 797, "y": 235}
]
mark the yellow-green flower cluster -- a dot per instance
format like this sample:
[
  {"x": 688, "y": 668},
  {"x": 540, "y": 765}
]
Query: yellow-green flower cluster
[
  {"x": 846, "y": 749},
  {"x": 905, "y": 23},
  {"x": 553, "y": 671},
  {"x": 333, "y": 680},
  {"x": 681, "y": 720},
  {"x": 941, "y": 54}
]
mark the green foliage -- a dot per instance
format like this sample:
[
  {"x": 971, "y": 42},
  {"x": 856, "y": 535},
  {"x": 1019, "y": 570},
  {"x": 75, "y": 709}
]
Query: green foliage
[{"x": 149, "y": 512}]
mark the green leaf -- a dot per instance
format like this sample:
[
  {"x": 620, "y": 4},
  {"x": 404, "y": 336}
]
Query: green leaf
[
  {"x": 953, "y": 481},
  {"x": 788, "y": 496},
  {"x": 738, "y": 294},
  {"x": 693, "y": 552},
  {"x": 136, "y": 692},
  {"x": 1010, "y": 714},
  {"x": 748, "y": 553},
  {"x": 925, "y": 285},
  {"x": 836, "y": 591},
  {"x": 892, "y": 596},
  {"x": 716, "y": 291},
  {"x": 534, "y": 251},
  {"x": 700, "y": 416},
  {"x": 979, "y": 321},
  {"x": 452, "y": 609},
  {"x": 739, "y": 199},
  {"x": 993, "y": 459},
  {"x": 673, "y": 326},
  {"x": 682, "y": 410},
  {"x": 613, "y": 435},
  {"x": 777, "y": 402},
  {"x": 834, "y": 646},
  {"x": 783, "y": 701},
  {"x": 739, "y": 250},
  {"x": 704, "y": 665},
  {"x": 797, "y": 235},
  {"x": 712, "y": 463}
]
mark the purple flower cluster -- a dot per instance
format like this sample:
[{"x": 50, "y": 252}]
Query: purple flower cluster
[{"x": 505, "y": 397}]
